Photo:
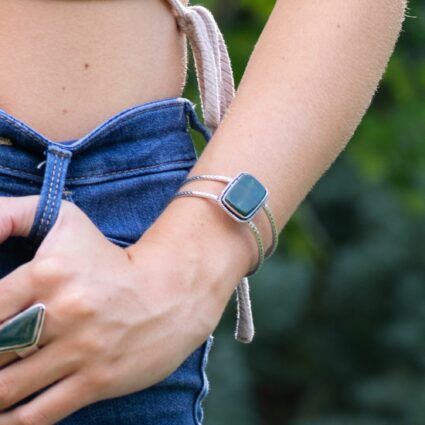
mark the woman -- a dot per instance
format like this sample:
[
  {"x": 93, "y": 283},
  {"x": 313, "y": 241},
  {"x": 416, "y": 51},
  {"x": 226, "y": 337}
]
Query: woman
[{"x": 134, "y": 284}]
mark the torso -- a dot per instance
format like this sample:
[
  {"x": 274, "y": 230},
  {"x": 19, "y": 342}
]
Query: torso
[{"x": 67, "y": 65}]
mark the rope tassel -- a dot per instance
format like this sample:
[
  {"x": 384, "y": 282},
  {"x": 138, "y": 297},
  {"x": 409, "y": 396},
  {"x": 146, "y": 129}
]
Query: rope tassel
[
  {"x": 244, "y": 321},
  {"x": 217, "y": 89}
]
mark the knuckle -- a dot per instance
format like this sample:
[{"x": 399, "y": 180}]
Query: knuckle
[
  {"x": 78, "y": 306},
  {"x": 86, "y": 307},
  {"x": 50, "y": 269},
  {"x": 67, "y": 305},
  {"x": 26, "y": 417}
]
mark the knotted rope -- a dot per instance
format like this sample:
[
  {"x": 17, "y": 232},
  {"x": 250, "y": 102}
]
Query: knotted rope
[
  {"x": 217, "y": 89},
  {"x": 212, "y": 62}
]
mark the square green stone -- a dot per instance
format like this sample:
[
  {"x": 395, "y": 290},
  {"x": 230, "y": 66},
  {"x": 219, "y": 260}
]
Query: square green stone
[{"x": 244, "y": 196}]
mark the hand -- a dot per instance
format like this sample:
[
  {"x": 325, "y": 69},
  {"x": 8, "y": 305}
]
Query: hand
[{"x": 114, "y": 324}]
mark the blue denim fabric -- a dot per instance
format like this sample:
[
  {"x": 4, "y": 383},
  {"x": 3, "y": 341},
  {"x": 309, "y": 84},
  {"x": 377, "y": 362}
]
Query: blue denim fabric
[{"x": 122, "y": 174}]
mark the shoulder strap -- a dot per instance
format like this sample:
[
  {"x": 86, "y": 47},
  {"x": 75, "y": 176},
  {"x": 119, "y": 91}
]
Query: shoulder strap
[{"x": 217, "y": 89}]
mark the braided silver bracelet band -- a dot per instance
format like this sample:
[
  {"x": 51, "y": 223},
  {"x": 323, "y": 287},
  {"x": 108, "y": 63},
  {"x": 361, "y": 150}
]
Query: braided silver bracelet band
[{"x": 264, "y": 206}]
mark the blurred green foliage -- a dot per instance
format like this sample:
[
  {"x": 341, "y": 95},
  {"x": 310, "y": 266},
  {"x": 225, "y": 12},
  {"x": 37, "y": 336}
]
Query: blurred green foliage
[{"x": 340, "y": 309}]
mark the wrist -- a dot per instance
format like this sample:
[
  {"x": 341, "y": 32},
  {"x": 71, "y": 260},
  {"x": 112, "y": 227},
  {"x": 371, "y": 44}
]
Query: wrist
[{"x": 217, "y": 249}]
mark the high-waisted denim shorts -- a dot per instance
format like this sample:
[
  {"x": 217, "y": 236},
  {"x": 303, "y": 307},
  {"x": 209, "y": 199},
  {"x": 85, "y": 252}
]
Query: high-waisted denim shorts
[{"x": 122, "y": 175}]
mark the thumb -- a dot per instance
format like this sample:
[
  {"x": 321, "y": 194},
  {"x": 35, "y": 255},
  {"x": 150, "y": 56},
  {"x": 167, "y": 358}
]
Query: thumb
[{"x": 17, "y": 215}]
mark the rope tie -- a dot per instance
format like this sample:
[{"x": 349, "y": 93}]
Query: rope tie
[
  {"x": 213, "y": 67},
  {"x": 217, "y": 89}
]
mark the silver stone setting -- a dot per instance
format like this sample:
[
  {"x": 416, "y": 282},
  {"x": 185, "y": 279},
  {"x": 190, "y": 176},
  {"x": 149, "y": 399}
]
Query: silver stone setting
[{"x": 22, "y": 330}]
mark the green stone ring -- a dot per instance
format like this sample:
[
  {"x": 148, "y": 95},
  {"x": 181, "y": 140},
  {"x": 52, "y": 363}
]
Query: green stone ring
[{"x": 21, "y": 332}]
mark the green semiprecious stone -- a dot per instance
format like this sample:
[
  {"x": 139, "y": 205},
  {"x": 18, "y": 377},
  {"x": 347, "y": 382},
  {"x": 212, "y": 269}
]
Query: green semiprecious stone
[
  {"x": 245, "y": 195},
  {"x": 20, "y": 332}
]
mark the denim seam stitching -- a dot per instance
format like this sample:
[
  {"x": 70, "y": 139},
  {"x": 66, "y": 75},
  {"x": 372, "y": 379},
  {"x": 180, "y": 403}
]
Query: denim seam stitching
[
  {"x": 71, "y": 179},
  {"x": 56, "y": 191},
  {"x": 3, "y": 167},
  {"x": 146, "y": 134},
  {"x": 115, "y": 124},
  {"x": 112, "y": 125},
  {"x": 19, "y": 126},
  {"x": 47, "y": 205},
  {"x": 132, "y": 114},
  {"x": 161, "y": 132}
]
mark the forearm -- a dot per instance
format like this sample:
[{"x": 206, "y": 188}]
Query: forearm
[{"x": 307, "y": 85}]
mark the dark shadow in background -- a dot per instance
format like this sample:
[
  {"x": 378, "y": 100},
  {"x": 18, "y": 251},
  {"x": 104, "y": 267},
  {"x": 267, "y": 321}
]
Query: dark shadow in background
[{"x": 340, "y": 309}]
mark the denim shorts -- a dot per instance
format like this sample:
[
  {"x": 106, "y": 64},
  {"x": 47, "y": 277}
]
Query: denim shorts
[{"x": 122, "y": 174}]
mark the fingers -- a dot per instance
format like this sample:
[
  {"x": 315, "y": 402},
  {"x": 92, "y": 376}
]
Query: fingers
[
  {"x": 52, "y": 405},
  {"x": 7, "y": 358},
  {"x": 15, "y": 296},
  {"x": 46, "y": 366},
  {"x": 17, "y": 215}
]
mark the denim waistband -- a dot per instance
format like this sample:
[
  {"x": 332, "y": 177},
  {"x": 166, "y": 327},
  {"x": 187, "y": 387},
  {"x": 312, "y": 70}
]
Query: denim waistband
[{"x": 137, "y": 139}]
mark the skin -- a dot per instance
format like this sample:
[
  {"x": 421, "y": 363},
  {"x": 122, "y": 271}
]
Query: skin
[
  {"x": 68, "y": 65},
  {"x": 309, "y": 81}
]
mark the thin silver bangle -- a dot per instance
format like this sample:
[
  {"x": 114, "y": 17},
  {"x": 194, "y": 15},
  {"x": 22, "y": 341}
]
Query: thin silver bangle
[
  {"x": 266, "y": 208},
  {"x": 250, "y": 223}
]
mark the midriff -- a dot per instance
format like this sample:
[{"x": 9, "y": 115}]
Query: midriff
[{"x": 68, "y": 65}]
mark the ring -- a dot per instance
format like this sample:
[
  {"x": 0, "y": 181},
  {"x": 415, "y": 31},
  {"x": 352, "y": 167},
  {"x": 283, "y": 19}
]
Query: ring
[{"x": 21, "y": 332}]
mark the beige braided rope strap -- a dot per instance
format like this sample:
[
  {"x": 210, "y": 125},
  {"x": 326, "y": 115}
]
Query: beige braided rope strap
[
  {"x": 212, "y": 61},
  {"x": 217, "y": 89}
]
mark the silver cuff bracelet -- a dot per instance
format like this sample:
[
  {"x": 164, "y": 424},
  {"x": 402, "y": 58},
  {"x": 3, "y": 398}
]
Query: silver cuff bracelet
[
  {"x": 241, "y": 199},
  {"x": 230, "y": 200}
]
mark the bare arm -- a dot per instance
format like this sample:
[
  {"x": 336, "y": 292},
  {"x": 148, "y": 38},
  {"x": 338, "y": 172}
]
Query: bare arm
[
  {"x": 127, "y": 319},
  {"x": 308, "y": 83}
]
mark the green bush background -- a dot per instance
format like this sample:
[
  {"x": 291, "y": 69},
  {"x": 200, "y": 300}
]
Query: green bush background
[{"x": 340, "y": 309}]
